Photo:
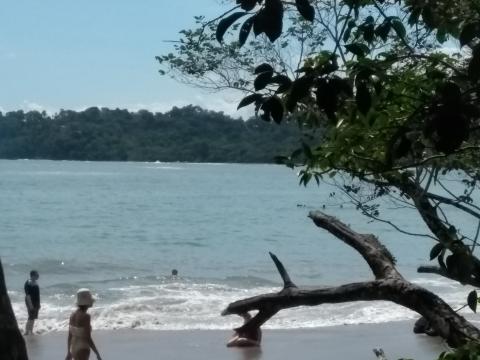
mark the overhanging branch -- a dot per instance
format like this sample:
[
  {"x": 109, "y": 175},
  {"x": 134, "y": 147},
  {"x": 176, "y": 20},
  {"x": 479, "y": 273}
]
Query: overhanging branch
[
  {"x": 454, "y": 203},
  {"x": 442, "y": 272}
]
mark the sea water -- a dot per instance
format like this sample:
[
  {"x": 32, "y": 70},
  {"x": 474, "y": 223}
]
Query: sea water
[{"x": 120, "y": 228}]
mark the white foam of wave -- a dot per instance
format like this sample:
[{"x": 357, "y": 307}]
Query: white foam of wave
[
  {"x": 165, "y": 167},
  {"x": 436, "y": 282},
  {"x": 182, "y": 306}
]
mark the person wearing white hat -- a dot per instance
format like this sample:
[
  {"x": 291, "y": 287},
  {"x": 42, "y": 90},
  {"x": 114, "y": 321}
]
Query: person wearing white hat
[{"x": 80, "y": 330}]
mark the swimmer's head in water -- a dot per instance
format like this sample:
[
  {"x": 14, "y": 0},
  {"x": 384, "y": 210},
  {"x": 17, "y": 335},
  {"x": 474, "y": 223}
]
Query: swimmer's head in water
[{"x": 174, "y": 272}]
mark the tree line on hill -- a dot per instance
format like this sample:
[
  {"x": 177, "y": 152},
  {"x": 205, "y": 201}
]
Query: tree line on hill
[{"x": 189, "y": 134}]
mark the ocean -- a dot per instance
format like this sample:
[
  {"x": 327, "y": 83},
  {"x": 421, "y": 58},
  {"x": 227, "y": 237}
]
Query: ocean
[{"x": 120, "y": 228}]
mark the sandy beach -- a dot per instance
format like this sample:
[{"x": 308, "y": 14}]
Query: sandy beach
[{"x": 339, "y": 342}]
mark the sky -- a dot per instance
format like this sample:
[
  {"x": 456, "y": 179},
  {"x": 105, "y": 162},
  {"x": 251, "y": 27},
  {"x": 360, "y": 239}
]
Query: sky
[{"x": 71, "y": 54}]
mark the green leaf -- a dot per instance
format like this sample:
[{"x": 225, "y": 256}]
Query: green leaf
[
  {"x": 399, "y": 28},
  {"x": 472, "y": 301},
  {"x": 307, "y": 150},
  {"x": 436, "y": 250},
  {"x": 327, "y": 98},
  {"x": 383, "y": 30},
  {"x": 247, "y": 5},
  {"x": 469, "y": 32},
  {"x": 245, "y": 30},
  {"x": 300, "y": 89},
  {"x": 358, "y": 49},
  {"x": 363, "y": 98},
  {"x": 259, "y": 22},
  {"x": 262, "y": 80},
  {"x": 250, "y": 99},
  {"x": 263, "y": 68},
  {"x": 429, "y": 18},
  {"x": 225, "y": 23},
  {"x": 305, "y": 9},
  {"x": 275, "y": 108},
  {"x": 272, "y": 19},
  {"x": 283, "y": 81},
  {"x": 474, "y": 66},
  {"x": 368, "y": 33},
  {"x": 369, "y": 20},
  {"x": 441, "y": 35},
  {"x": 350, "y": 25},
  {"x": 346, "y": 34},
  {"x": 414, "y": 16},
  {"x": 341, "y": 86}
]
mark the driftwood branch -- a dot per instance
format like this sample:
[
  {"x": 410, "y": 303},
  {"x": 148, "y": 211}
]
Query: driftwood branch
[
  {"x": 12, "y": 345},
  {"x": 377, "y": 256},
  {"x": 287, "y": 283},
  {"x": 388, "y": 285}
]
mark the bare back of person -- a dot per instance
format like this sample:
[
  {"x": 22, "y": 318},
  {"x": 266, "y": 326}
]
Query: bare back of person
[{"x": 80, "y": 330}]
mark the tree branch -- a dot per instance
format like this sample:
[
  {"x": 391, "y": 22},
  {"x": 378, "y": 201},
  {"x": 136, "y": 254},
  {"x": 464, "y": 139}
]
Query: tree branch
[
  {"x": 454, "y": 203},
  {"x": 375, "y": 254},
  {"x": 442, "y": 272},
  {"x": 287, "y": 283}
]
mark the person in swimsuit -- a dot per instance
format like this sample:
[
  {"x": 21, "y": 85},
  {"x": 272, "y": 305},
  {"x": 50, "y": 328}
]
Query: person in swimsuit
[
  {"x": 32, "y": 300},
  {"x": 80, "y": 330},
  {"x": 246, "y": 338}
]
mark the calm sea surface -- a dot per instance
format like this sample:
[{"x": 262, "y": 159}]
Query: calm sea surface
[{"x": 119, "y": 229}]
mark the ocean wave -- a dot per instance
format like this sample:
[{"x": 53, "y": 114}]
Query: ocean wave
[
  {"x": 183, "y": 305},
  {"x": 437, "y": 282},
  {"x": 165, "y": 167}
]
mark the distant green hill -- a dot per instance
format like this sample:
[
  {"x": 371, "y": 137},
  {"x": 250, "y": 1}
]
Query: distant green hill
[{"x": 183, "y": 134}]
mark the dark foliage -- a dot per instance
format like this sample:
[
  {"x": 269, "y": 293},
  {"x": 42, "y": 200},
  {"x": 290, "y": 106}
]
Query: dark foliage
[{"x": 182, "y": 134}]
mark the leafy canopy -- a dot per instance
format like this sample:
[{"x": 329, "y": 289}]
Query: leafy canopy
[{"x": 390, "y": 104}]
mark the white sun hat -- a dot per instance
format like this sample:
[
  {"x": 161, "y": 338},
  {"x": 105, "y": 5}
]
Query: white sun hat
[{"x": 84, "y": 297}]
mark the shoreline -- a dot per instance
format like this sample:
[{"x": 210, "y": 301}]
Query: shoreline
[{"x": 337, "y": 342}]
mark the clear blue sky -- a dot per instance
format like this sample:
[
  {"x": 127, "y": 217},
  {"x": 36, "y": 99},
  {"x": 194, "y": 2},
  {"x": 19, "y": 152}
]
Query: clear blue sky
[{"x": 73, "y": 54}]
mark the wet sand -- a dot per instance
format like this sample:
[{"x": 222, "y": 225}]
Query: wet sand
[{"x": 339, "y": 342}]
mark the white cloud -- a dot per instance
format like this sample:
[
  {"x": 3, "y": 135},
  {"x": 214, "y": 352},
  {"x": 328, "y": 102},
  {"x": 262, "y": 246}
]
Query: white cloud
[
  {"x": 215, "y": 102},
  {"x": 28, "y": 105},
  {"x": 226, "y": 103}
]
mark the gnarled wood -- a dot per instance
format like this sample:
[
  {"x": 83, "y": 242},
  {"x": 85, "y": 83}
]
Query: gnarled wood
[
  {"x": 12, "y": 344},
  {"x": 377, "y": 256},
  {"x": 388, "y": 285}
]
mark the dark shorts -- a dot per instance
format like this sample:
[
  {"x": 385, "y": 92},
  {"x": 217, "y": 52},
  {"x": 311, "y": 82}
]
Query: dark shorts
[{"x": 33, "y": 314}]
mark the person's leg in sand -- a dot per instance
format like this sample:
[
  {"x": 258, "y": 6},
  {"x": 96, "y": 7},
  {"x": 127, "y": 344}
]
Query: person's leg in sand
[{"x": 83, "y": 354}]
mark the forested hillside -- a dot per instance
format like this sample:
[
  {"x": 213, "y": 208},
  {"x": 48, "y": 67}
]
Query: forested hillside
[{"x": 182, "y": 134}]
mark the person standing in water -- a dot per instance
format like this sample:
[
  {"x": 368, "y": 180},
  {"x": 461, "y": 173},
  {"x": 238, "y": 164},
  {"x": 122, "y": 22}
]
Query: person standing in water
[
  {"x": 32, "y": 300},
  {"x": 80, "y": 329}
]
